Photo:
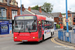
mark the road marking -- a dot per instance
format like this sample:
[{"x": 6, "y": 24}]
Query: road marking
[{"x": 52, "y": 39}]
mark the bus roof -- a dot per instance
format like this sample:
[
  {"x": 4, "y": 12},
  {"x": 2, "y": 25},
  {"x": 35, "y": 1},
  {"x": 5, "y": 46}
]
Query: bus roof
[{"x": 44, "y": 18}]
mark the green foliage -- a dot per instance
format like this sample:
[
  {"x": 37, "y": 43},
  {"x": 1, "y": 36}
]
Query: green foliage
[
  {"x": 47, "y": 7},
  {"x": 35, "y": 7},
  {"x": 43, "y": 10},
  {"x": 63, "y": 13},
  {"x": 57, "y": 26}
]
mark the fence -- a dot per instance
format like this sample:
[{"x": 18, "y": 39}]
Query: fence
[{"x": 68, "y": 37}]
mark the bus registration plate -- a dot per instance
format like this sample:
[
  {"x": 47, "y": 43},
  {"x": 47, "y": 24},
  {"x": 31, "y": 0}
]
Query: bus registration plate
[{"x": 24, "y": 40}]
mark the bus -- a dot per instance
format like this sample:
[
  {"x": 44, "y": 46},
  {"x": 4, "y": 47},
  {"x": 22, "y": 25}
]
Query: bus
[{"x": 32, "y": 28}]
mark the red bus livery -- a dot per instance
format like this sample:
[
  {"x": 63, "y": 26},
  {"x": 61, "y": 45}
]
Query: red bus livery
[{"x": 30, "y": 28}]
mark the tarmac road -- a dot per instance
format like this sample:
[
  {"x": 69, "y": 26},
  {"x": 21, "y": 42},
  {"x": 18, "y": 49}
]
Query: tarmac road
[{"x": 45, "y": 45}]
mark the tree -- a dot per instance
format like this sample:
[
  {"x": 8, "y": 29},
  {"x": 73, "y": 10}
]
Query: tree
[
  {"x": 35, "y": 7},
  {"x": 47, "y": 7}
]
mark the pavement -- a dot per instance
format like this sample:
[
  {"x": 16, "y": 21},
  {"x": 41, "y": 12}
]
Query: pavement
[
  {"x": 6, "y": 37},
  {"x": 63, "y": 43}
]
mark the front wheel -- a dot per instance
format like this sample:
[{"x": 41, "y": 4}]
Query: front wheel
[
  {"x": 51, "y": 34},
  {"x": 43, "y": 38}
]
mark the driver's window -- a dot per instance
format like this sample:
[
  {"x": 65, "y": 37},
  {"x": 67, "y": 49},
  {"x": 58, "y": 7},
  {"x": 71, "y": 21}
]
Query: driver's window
[{"x": 19, "y": 24}]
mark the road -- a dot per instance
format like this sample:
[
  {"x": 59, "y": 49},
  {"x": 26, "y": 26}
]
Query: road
[{"x": 45, "y": 45}]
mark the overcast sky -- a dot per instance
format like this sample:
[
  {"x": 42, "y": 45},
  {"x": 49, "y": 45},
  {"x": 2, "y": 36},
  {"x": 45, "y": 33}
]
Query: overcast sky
[{"x": 58, "y": 5}]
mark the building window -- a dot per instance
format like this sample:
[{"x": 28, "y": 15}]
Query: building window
[
  {"x": 59, "y": 18},
  {"x": 13, "y": 14},
  {"x": 74, "y": 19},
  {"x": 2, "y": 13}
]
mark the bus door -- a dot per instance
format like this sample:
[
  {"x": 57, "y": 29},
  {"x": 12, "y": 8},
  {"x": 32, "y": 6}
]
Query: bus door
[{"x": 39, "y": 29}]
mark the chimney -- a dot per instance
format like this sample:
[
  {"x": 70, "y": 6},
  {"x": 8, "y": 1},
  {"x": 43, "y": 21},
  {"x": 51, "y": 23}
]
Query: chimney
[
  {"x": 23, "y": 7},
  {"x": 40, "y": 10},
  {"x": 29, "y": 8},
  {"x": 69, "y": 13}
]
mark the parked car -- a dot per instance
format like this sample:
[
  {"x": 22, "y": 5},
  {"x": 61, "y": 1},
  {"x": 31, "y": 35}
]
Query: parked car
[{"x": 69, "y": 27}]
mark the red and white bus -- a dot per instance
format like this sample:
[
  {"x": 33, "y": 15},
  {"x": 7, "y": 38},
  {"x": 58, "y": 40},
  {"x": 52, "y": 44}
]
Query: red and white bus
[{"x": 32, "y": 28}]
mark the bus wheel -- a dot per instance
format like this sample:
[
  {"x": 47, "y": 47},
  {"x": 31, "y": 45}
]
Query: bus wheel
[
  {"x": 43, "y": 38},
  {"x": 51, "y": 34}
]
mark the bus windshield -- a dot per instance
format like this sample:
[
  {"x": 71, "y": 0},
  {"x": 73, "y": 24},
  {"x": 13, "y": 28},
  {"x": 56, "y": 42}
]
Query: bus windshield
[{"x": 25, "y": 26}]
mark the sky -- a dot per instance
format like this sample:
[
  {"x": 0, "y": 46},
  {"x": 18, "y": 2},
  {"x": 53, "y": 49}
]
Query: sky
[{"x": 58, "y": 5}]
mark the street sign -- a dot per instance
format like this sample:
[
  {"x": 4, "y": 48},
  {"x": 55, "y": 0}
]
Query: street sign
[{"x": 66, "y": 20}]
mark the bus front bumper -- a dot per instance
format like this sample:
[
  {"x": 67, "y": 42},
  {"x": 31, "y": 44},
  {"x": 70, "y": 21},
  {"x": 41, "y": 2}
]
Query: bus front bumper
[{"x": 26, "y": 40}]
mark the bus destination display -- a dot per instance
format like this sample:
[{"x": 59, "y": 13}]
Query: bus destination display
[{"x": 25, "y": 17}]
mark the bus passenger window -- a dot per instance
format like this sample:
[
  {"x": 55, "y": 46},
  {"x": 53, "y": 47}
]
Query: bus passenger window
[{"x": 43, "y": 25}]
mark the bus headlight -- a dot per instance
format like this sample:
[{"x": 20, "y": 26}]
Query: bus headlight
[
  {"x": 15, "y": 37},
  {"x": 34, "y": 37}
]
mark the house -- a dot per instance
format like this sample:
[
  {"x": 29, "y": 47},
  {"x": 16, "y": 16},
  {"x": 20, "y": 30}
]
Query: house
[
  {"x": 71, "y": 18},
  {"x": 8, "y": 9},
  {"x": 72, "y": 15},
  {"x": 57, "y": 17},
  {"x": 36, "y": 12}
]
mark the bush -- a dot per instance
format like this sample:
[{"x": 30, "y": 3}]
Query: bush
[{"x": 57, "y": 26}]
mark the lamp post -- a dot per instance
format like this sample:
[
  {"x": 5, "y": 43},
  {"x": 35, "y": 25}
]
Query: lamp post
[
  {"x": 66, "y": 17},
  {"x": 21, "y": 6}
]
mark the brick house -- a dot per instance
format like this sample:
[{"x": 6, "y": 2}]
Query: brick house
[
  {"x": 71, "y": 15},
  {"x": 8, "y": 11},
  {"x": 57, "y": 17},
  {"x": 37, "y": 12}
]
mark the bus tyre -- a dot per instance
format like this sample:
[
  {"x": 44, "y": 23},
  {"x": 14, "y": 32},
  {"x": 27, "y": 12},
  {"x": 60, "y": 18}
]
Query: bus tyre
[
  {"x": 51, "y": 34},
  {"x": 43, "y": 38}
]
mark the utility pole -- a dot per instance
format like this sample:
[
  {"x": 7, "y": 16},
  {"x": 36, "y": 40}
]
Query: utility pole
[
  {"x": 8, "y": 2},
  {"x": 21, "y": 7},
  {"x": 67, "y": 18}
]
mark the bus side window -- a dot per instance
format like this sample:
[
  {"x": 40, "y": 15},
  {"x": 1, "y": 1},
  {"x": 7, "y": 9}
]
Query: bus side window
[
  {"x": 51, "y": 25},
  {"x": 43, "y": 25}
]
